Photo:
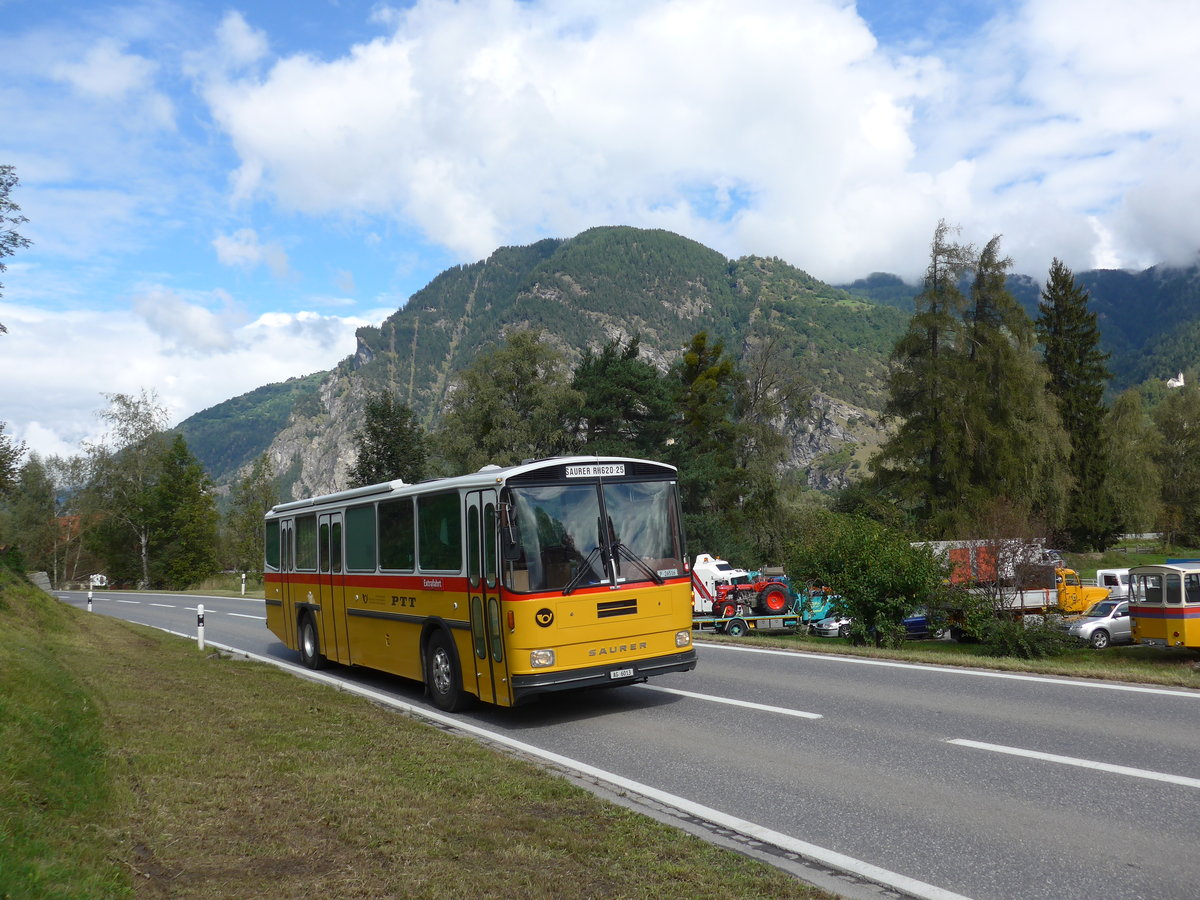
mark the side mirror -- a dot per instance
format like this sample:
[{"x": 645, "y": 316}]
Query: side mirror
[{"x": 510, "y": 535}]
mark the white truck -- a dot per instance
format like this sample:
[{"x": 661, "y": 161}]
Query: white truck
[{"x": 1117, "y": 582}]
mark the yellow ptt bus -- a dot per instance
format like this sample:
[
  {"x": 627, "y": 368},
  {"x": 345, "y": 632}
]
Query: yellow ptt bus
[
  {"x": 500, "y": 585},
  {"x": 1164, "y": 604}
]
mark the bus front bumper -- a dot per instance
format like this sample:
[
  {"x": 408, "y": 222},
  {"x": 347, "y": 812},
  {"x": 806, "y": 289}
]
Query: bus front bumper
[{"x": 631, "y": 672}]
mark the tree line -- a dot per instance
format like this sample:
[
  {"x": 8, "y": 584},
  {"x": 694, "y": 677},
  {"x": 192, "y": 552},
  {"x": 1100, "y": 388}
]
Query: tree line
[{"x": 999, "y": 422}]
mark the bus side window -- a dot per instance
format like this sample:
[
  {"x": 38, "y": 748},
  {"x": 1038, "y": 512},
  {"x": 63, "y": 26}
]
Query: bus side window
[
  {"x": 1153, "y": 588},
  {"x": 439, "y": 531},
  {"x": 306, "y": 543},
  {"x": 1192, "y": 587},
  {"x": 1172, "y": 589},
  {"x": 271, "y": 545},
  {"x": 396, "y": 544},
  {"x": 360, "y": 538}
]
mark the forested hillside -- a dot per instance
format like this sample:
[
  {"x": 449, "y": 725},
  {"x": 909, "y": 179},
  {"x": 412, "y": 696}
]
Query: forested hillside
[
  {"x": 1149, "y": 321},
  {"x": 604, "y": 284},
  {"x": 613, "y": 283}
]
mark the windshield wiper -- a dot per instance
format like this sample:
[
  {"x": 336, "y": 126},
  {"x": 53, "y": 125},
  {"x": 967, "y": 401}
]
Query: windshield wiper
[
  {"x": 628, "y": 554},
  {"x": 583, "y": 571}
]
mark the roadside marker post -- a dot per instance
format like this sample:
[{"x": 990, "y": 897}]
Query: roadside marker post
[
  {"x": 89, "y": 601},
  {"x": 200, "y": 625},
  {"x": 243, "y": 584}
]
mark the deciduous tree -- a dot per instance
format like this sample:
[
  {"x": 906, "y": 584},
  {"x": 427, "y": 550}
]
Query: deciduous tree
[
  {"x": 878, "y": 575},
  {"x": 10, "y": 217},
  {"x": 252, "y": 495},
  {"x": 1134, "y": 482},
  {"x": 512, "y": 403},
  {"x": 10, "y": 459},
  {"x": 1178, "y": 456},
  {"x": 390, "y": 443},
  {"x": 121, "y": 496}
]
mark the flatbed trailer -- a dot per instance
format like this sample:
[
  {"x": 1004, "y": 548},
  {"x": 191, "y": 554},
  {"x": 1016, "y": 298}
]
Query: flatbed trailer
[{"x": 738, "y": 625}]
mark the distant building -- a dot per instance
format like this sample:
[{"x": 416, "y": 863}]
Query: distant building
[{"x": 1177, "y": 381}]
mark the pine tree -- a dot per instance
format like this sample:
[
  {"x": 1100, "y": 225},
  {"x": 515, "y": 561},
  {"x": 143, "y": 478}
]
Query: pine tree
[
  {"x": 1076, "y": 365},
  {"x": 183, "y": 546},
  {"x": 706, "y": 382},
  {"x": 626, "y": 402},
  {"x": 918, "y": 466},
  {"x": 1015, "y": 441},
  {"x": 967, "y": 392},
  {"x": 390, "y": 444}
]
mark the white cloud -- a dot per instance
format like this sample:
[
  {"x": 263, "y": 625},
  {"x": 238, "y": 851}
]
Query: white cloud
[
  {"x": 107, "y": 72},
  {"x": 770, "y": 126},
  {"x": 239, "y": 44},
  {"x": 243, "y": 248},
  {"x": 75, "y": 357}
]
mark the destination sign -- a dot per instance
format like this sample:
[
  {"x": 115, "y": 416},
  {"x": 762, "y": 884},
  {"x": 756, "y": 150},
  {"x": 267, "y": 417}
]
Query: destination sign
[{"x": 592, "y": 470}]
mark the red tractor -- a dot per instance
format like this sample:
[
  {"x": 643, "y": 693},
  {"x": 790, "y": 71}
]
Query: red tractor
[{"x": 718, "y": 589}]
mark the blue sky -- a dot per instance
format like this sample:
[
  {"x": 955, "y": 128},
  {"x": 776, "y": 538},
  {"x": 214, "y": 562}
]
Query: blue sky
[{"x": 220, "y": 194}]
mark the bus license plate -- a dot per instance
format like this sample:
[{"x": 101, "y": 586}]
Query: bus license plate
[{"x": 621, "y": 673}]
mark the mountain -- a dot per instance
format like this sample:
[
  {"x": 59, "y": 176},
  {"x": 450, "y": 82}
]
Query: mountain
[
  {"x": 1149, "y": 321},
  {"x": 604, "y": 284},
  {"x": 614, "y": 282}
]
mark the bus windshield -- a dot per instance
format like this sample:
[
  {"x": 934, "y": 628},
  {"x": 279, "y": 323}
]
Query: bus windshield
[{"x": 583, "y": 534}]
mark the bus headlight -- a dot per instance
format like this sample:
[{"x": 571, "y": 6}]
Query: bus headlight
[
  {"x": 683, "y": 638},
  {"x": 539, "y": 659}
]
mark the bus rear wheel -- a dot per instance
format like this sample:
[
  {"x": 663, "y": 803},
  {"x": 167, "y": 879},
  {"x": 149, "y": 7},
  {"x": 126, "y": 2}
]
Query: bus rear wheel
[{"x": 442, "y": 675}]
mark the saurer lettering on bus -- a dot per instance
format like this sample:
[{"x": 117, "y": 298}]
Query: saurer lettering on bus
[{"x": 617, "y": 648}]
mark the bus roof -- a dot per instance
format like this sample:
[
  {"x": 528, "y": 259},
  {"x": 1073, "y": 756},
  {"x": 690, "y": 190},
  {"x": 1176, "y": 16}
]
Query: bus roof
[
  {"x": 490, "y": 475},
  {"x": 1183, "y": 566}
]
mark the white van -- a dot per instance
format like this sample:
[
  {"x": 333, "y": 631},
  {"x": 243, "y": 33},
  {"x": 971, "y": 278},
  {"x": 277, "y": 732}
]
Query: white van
[{"x": 1117, "y": 582}]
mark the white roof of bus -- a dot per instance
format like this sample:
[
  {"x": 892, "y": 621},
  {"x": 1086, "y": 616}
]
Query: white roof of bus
[
  {"x": 486, "y": 476},
  {"x": 1181, "y": 565}
]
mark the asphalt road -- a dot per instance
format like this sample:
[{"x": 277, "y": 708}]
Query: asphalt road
[{"x": 920, "y": 770}]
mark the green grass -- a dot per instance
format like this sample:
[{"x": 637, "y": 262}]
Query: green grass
[
  {"x": 1126, "y": 556},
  {"x": 133, "y": 765}
]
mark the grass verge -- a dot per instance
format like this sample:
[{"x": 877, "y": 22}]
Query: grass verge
[{"x": 132, "y": 765}]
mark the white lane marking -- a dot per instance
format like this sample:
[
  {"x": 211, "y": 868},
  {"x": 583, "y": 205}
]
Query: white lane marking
[
  {"x": 134, "y": 602},
  {"x": 1082, "y": 763},
  {"x": 163, "y": 605},
  {"x": 744, "y": 703},
  {"x": 1061, "y": 680},
  {"x": 876, "y": 874},
  {"x": 245, "y": 616}
]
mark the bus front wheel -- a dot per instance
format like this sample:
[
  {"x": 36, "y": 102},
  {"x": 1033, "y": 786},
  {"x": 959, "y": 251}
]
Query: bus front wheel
[
  {"x": 442, "y": 675},
  {"x": 310, "y": 644}
]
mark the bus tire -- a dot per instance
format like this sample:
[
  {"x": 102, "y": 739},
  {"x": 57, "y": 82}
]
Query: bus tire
[
  {"x": 310, "y": 643},
  {"x": 443, "y": 677}
]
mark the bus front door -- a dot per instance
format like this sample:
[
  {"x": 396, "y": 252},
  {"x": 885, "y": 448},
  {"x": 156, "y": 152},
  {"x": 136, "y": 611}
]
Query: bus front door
[{"x": 489, "y": 654}]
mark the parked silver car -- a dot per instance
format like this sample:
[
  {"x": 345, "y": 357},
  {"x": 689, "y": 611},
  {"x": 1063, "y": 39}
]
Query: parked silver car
[
  {"x": 832, "y": 626},
  {"x": 1106, "y": 622}
]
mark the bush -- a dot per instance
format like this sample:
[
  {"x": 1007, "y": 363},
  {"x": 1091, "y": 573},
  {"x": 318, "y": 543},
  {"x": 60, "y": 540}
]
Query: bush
[{"x": 1030, "y": 638}]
